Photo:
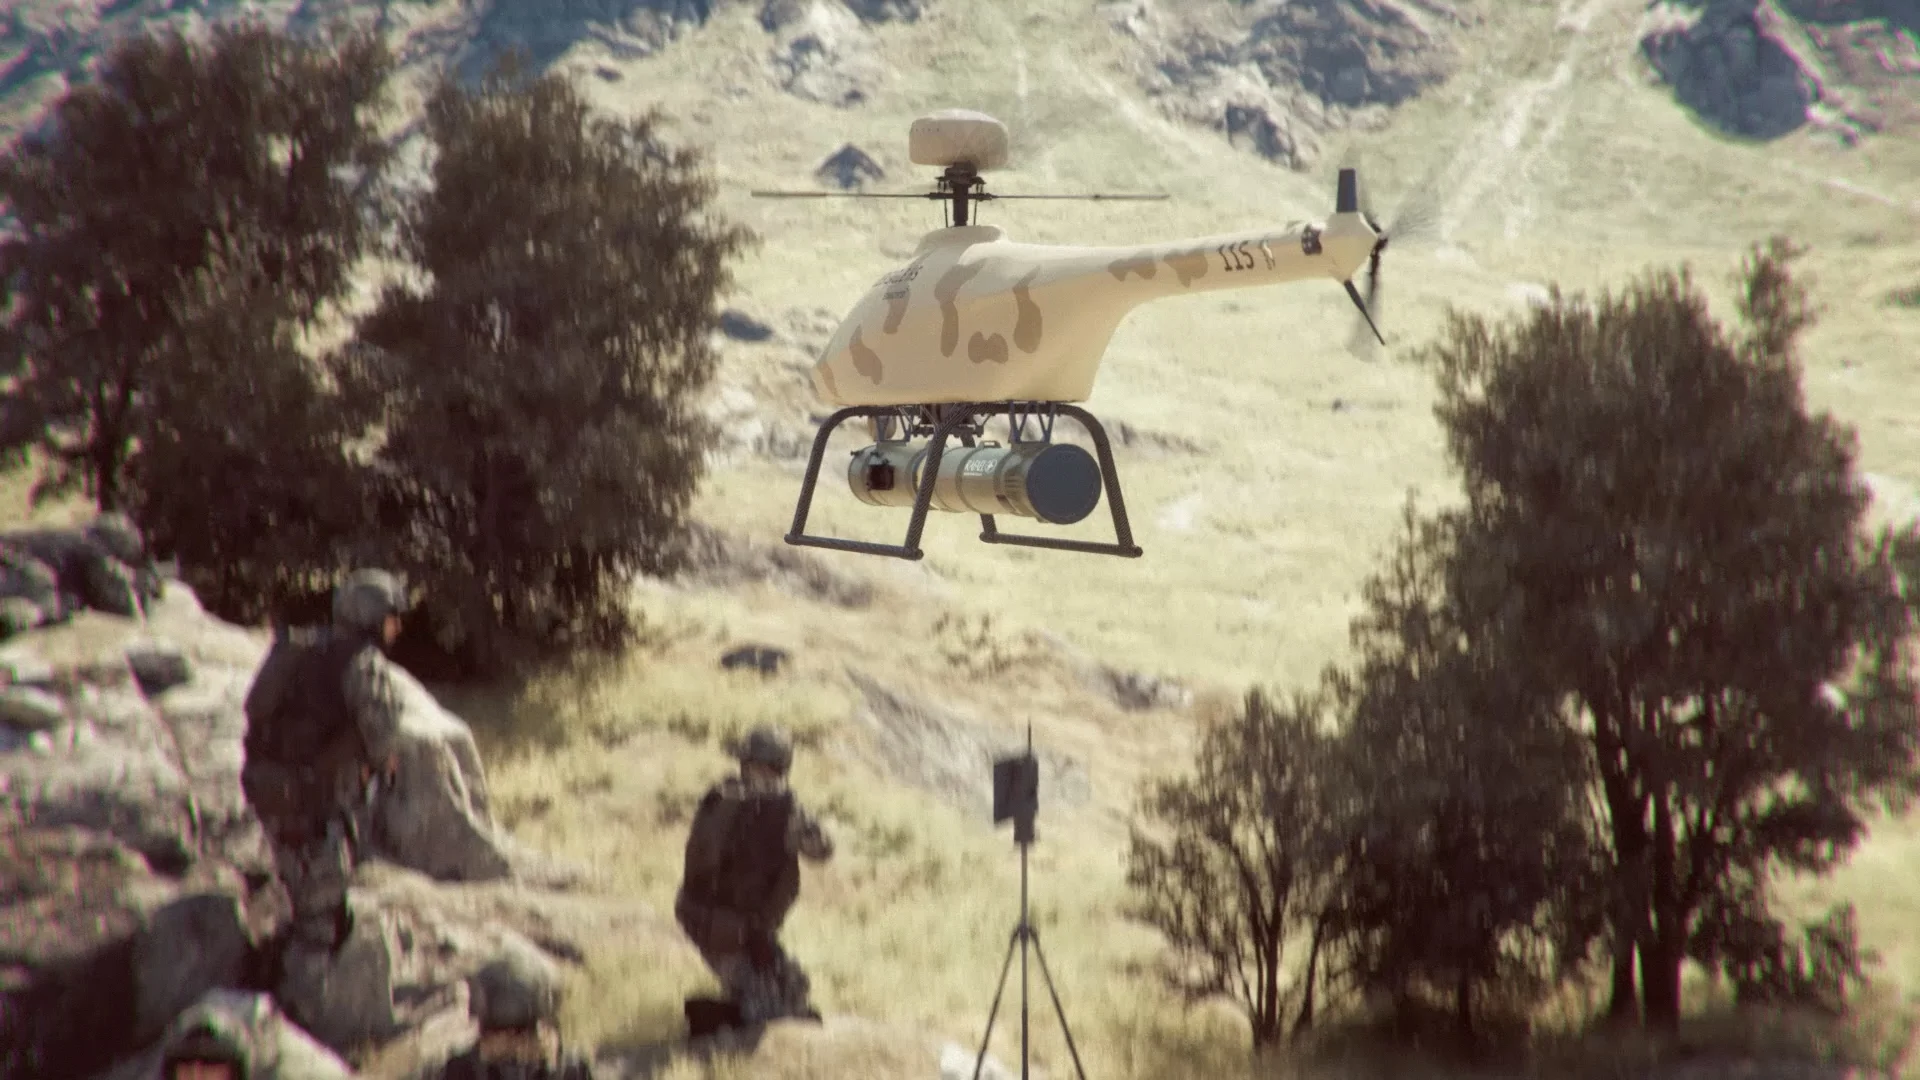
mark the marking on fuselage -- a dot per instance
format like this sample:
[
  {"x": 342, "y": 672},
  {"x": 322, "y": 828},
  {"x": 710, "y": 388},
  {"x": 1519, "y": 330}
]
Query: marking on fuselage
[
  {"x": 901, "y": 282},
  {"x": 1139, "y": 264},
  {"x": 1026, "y": 325},
  {"x": 865, "y": 360},
  {"x": 947, "y": 292},
  {"x": 982, "y": 348},
  {"x": 1189, "y": 266}
]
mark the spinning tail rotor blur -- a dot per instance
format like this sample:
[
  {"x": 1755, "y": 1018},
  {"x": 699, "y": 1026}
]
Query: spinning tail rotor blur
[{"x": 1415, "y": 222}]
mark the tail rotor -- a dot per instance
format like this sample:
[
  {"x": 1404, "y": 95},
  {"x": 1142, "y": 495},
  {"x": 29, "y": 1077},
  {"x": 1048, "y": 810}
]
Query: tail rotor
[{"x": 1417, "y": 218}]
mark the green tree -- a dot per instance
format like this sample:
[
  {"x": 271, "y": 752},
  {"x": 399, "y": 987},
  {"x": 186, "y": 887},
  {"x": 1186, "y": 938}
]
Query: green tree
[
  {"x": 1232, "y": 860},
  {"x": 1683, "y": 542},
  {"x": 538, "y": 393},
  {"x": 246, "y": 153},
  {"x": 243, "y": 473},
  {"x": 1471, "y": 826}
]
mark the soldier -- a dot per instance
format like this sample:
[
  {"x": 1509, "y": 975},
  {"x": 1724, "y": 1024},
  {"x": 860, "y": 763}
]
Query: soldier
[
  {"x": 742, "y": 876},
  {"x": 206, "y": 1050},
  {"x": 103, "y": 566},
  {"x": 323, "y": 716},
  {"x": 515, "y": 1000}
]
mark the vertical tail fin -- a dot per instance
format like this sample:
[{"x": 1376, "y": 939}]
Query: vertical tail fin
[{"x": 1346, "y": 198}]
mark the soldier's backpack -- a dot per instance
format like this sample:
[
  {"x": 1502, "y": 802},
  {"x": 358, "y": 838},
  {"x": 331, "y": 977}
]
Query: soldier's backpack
[
  {"x": 301, "y": 733},
  {"x": 737, "y": 856}
]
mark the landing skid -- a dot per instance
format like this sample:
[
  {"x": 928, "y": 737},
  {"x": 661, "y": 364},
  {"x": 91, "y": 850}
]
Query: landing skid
[{"x": 965, "y": 422}]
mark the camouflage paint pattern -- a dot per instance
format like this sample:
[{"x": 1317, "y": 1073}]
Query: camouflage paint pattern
[{"x": 1036, "y": 319}]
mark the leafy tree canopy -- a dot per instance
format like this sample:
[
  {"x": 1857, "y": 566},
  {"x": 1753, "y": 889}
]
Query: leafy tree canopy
[
  {"x": 538, "y": 392},
  {"x": 247, "y": 150}
]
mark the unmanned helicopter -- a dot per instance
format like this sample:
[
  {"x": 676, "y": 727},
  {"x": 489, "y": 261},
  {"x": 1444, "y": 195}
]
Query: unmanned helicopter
[{"x": 976, "y": 326}]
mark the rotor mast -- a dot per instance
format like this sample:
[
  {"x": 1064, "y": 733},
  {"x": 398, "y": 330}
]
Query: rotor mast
[{"x": 957, "y": 186}]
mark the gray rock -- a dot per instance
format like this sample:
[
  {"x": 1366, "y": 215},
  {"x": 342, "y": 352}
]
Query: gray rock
[
  {"x": 277, "y": 1048},
  {"x": 881, "y": 11},
  {"x": 1277, "y": 76},
  {"x": 1138, "y": 692},
  {"x": 30, "y": 708},
  {"x": 18, "y": 614},
  {"x": 346, "y": 999},
  {"x": 548, "y": 29},
  {"x": 158, "y": 666},
  {"x": 96, "y": 947},
  {"x": 117, "y": 774},
  {"x": 438, "y": 817},
  {"x": 192, "y": 944},
  {"x": 823, "y": 53},
  {"x": 1733, "y": 72},
  {"x": 765, "y": 659},
  {"x": 20, "y": 665},
  {"x": 1256, "y": 128},
  {"x": 741, "y": 326}
]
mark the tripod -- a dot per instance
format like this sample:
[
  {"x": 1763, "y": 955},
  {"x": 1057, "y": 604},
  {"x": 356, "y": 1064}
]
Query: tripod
[{"x": 1024, "y": 773}]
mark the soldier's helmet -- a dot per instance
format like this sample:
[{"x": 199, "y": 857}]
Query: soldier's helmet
[
  {"x": 365, "y": 599},
  {"x": 118, "y": 536},
  {"x": 518, "y": 989},
  {"x": 207, "y": 1039},
  {"x": 768, "y": 746}
]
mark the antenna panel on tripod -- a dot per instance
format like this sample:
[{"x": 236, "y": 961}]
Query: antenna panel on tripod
[
  {"x": 1016, "y": 789},
  {"x": 956, "y": 137}
]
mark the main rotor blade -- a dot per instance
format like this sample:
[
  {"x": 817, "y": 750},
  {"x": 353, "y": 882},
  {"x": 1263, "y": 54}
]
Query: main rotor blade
[
  {"x": 1135, "y": 198},
  {"x": 841, "y": 195},
  {"x": 1360, "y": 343},
  {"x": 1354, "y": 295}
]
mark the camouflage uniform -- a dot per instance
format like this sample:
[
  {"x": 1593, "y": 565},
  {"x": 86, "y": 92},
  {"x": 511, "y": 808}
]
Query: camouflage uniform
[
  {"x": 208, "y": 1040},
  {"x": 742, "y": 876},
  {"x": 515, "y": 1000},
  {"x": 61, "y": 571},
  {"x": 322, "y": 711}
]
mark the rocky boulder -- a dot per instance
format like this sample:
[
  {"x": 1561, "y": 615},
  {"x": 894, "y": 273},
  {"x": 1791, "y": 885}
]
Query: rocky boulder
[
  {"x": 546, "y": 29},
  {"x": 160, "y": 772},
  {"x": 134, "y": 878},
  {"x": 275, "y": 1047},
  {"x": 1275, "y": 77},
  {"x": 822, "y": 52},
  {"x": 1765, "y": 68},
  {"x": 1731, "y": 66},
  {"x": 98, "y": 951}
]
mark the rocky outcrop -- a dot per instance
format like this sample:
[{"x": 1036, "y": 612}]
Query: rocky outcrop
[
  {"x": 276, "y": 1048},
  {"x": 1275, "y": 77},
  {"x": 133, "y": 876},
  {"x": 629, "y": 29},
  {"x": 99, "y": 950},
  {"x": 822, "y": 51},
  {"x": 1765, "y": 68},
  {"x": 1731, "y": 66},
  {"x": 935, "y": 748}
]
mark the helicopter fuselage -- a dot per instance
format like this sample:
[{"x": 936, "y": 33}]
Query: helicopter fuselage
[{"x": 975, "y": 317}]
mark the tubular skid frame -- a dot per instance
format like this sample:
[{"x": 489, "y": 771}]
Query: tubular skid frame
[{"x": 965, "y": 422}]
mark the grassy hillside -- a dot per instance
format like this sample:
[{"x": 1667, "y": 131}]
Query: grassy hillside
[{"x": 1560, "y": 160}]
